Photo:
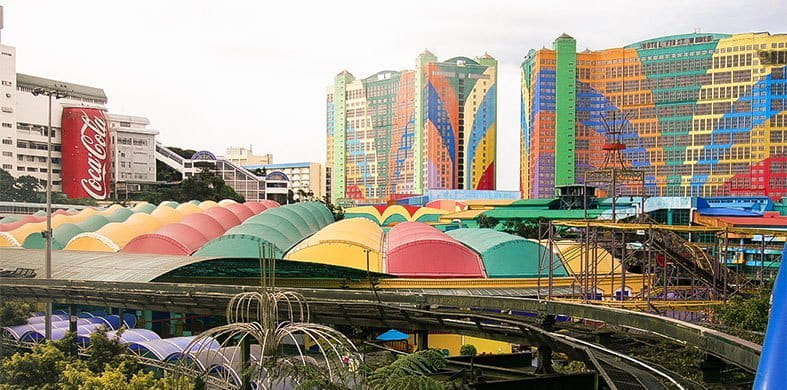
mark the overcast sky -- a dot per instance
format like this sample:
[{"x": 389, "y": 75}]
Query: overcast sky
[{"x": 214, "y": 74}]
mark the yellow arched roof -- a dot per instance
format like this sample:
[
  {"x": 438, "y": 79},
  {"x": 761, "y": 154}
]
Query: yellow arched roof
[
  {"x": 225, "y": 202},
  {"x": 165, "y": 215},
  {"x": 343, "y": 243},
  {"x": 112, "y": 237},
  {"x": 111, "y": 209},
  {"x": 573, "y": 256},
  {"x": 204, "y": 205},
  {"x": 188, "y": 208}
]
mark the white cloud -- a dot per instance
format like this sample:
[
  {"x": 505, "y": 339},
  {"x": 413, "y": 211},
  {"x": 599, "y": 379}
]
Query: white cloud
[{"x": 210, "y": 75}]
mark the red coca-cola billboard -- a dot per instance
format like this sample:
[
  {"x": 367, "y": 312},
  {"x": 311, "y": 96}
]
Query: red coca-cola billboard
[{"x": 86, "y": 153}]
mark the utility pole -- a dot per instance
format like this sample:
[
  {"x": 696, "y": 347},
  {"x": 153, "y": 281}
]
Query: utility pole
[{"x": 51, "y": 94}]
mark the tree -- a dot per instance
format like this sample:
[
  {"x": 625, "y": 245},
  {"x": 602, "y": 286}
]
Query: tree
[
  {"x": 28, "y": 188},
  {"x": 468, "y": 350},
  {"x": 205, "y": 185},
  {"x": 486, "y": 222},
  {"x": 14, "y": 313},
  {"x": 77, "y": 376},
  {"x": 105, "y": 351},
  {"x": 410, "y": 372},
  {"x": 39, "y": 369},
  {"x": 746, "y": 317}
]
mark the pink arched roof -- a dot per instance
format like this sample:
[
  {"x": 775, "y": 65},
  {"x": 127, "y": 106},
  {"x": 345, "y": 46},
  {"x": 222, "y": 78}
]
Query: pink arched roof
[
  {"x": 4, "y": 227},
  {"x": 205, "y": 224},
  {"x": 421, "y": 251},
  {"x": 226, "y": 218},
  {"x": 243, "y": 212},
  {"x": 172, "y": 239},
  {"x": 269, "y": 203},
  {"x": 256, "y": 207}
]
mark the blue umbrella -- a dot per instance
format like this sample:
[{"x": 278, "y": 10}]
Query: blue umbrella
[{"x": 393, "y": 335}]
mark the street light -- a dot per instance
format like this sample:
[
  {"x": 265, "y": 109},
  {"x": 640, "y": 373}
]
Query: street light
[{"x": 51, "y": 94}]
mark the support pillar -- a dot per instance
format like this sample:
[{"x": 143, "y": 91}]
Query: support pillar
[
  {"x": 147, "y": 315},
  {"x": 422, "y": 340}
]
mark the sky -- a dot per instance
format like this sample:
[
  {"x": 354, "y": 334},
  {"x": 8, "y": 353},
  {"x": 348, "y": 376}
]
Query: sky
[{"x": 212, "y": 74}]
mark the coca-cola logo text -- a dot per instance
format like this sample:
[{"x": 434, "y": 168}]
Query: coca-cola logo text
[{"x": 94, "y": 138}]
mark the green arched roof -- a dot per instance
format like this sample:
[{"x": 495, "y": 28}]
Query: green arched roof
[
  {"x": 146, "y": 208},
  {"x": 506, "y": 255},
  {"x": 283, "y": 227},
  {"x": 119, "y": 215}
]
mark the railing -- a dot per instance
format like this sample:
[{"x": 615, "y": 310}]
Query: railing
[{"x": 164, "y": 151}]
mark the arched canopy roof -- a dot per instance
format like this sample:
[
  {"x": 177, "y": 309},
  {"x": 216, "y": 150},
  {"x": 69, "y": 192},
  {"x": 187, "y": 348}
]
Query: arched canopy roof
[
  {"x": 206, "y": 224},
  {"x": 118, "y": 215},
  {"x": 188, "y": 208},
  {"x": 508, "y": 256},
  {"x": 242, "y": 211},
  {"x": 368, "y": 212},
  {"x": 65, "y": 232},
  {"x": 428, "y": 214},
  {"x": 573, "y": 255},
  {"x": 206, "y": 204},
  {"x": 282, "y": 227},
  {"x": 343, "y": 243},
  {"x": 169, "y": 203},
  {"x": 4, "y": 227},
  {"x": 226, "y": 218},
  {"x": 114, "y": 236},
  {"x": 447, "y": 205},
  {"x": 171, "y": 239},
  {"x": 165, "y": 214},
  {"x": 419, "y": 250},
  {"x": 255, "y": 207},
  {"x": 144, "y": 207},
  {"x": 225, "y": 202},
  {"x": 269, "y": 203}
]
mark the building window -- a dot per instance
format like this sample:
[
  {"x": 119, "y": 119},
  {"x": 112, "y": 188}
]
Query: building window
[
  {"x": 8, "y": 142},
  {"x": 8, "y": 125},
  {"x": 125, "y": 124},
  {"x": 8, "y": 154},
  {"x": 6, "y": 83},
  {"x": 6, "y": 166}
]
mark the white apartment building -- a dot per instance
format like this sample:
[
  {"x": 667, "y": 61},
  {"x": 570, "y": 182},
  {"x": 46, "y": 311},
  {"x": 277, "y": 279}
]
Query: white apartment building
[{"x": 134, "y": 155}]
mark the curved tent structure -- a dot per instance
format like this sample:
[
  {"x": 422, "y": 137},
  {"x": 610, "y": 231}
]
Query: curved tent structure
[
  {"x": 206, "y": 204},
  {"x": 188, "y": 208},
  {"x": 65, "y": 232},
  {"x": 241, "y": 211},
  {"x": 226, "y": 218},
  {"x": 114, "y": 236},
  {"x": 508, "y": 256},
  {"x": 255, "y": 207},
  {"x": 144, "y": 207},
  {"x": 449, "y": 205},
  {"x": 282, "y": 227},
  {"x": 344, "y": 243},
  {"x": 269, "y": 203},
  {"x": 573, "y": 254},
  {"x": 171, "y": 239},
  {"x": 393, "y": 214},
  {"x": 182, "y": 238},
  {"x": 225, "y": 202},
  {"x": 166, "y": 214},
  {"x": 418, "y": 250},
  {"x": 168, "y": 203}
]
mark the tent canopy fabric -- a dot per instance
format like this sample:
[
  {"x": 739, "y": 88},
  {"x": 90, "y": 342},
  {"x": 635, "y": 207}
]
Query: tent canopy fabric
[
  {"x": 392, "y": 335},
  {"x": 344, "y": 243},
  {"x": 419, "y": 250},
  {"x": 506, "y": 255},
  {"x": 283, "y": 227}
]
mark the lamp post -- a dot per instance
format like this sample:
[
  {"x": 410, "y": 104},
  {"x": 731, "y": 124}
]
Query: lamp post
[{"x": 50, "y": 94}]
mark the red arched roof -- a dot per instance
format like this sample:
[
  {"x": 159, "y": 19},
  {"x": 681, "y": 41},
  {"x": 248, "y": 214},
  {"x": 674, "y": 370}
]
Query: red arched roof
[
  {"x": 205, "y": 224},
  {"x": 172, "y": 239},
  {"x": 226, "y": 218},
  {"x": 256, "y": 207},
  {"x": 243, "y": 212},
  {"x": 269, "y": 203},
  {"x": 418, "y": 250}
]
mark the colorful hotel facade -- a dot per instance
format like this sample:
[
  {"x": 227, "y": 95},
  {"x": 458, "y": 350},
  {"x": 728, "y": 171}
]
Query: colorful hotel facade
[
  {"x": 403, "y": 132},
  {"x": 702, "y": 114}
]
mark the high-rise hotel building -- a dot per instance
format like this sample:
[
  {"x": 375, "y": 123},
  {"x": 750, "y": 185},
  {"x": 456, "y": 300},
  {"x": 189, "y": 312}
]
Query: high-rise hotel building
[
  {"x": 402, "y": 132},
  {"x": 702, "y": 114}
]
